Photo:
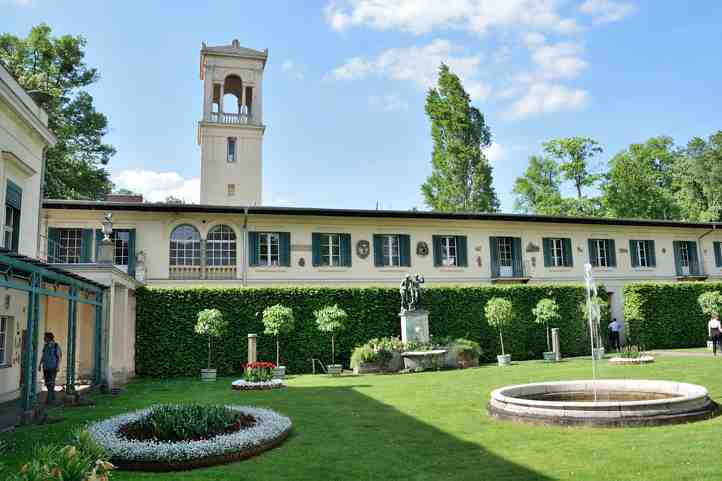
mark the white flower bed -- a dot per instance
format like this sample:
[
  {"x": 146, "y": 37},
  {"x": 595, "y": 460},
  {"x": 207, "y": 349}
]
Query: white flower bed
[
  {"x": 243, "y": 385},
  {"x": 269, "y": 427}
]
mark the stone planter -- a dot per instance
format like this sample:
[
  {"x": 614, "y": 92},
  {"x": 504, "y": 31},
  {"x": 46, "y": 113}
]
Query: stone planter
[
  {"x": 366, "y": 368},
  {"x": 551, "y": 356},
  {"x": 504, "y": 360},
  {"x": 334, "y": 369},
  {"x": 645, "y": 359},
  {"x": 279, "y": 372},
  {"x": 422, "y": 360},
  {"x": 598, "y": 353},
  {"x": 208, "y": 375}
]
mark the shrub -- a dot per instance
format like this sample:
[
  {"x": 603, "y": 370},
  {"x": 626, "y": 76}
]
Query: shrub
[
  {"x": 363, "y": 354},
  {"x": 277, "y": 320},
  {"x": 331, "y": 319},
  {"x": 666, "y": 315},
  {"x": 167, "y": 346},
  {"x": 210, "y": 323},
  {"x": 258, "y": 371},
  {"x": 466, "y": 349},
  {"x": 710, "y": 302},
  {"x": 499, "y": 313},
  {"x": 546, "y": 312}
]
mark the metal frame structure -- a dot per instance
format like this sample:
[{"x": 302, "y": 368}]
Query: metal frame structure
[{"x": 14, "y": 269}]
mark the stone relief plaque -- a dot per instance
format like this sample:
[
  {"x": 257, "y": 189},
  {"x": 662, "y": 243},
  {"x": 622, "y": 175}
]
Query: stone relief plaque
[
  {"x": 422, "y": 249},
  {"x": 363, "y": 249}
]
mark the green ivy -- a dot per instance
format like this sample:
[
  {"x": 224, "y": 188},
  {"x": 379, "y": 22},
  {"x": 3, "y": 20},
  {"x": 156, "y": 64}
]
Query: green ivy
[
  {"x": 666, "y": 315},
  {"x": 167, "y": 346}
]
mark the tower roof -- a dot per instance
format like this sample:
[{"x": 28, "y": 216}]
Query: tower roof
[{"x": 235, "y": 50}]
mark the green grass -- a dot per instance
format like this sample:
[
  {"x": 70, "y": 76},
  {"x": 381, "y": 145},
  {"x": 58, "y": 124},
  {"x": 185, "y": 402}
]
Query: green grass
[{"x": 429, "y": 426}]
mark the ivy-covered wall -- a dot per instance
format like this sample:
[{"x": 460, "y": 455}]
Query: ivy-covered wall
[
  {"x": 666, "y": 315},
  {"x": 166, "y": 344}
]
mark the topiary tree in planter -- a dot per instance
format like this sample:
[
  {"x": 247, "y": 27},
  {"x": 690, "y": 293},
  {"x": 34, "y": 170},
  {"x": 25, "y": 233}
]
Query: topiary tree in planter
[
  {"x": 546, "y": 312},
  {"x": 278, "y": 319},
  {"x": 332, "y": 319},
  {"x": 710, "y": 302},
  {"x": 499, "y": 312},
  {"x": 210, "y": 323}
]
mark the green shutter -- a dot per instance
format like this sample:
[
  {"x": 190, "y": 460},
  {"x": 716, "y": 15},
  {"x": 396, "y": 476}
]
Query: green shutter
[
  {"x": 651, "y": 255},
  {"x": 405, "y": 250},
  {"x": 633, "y": 254},
  {"x": 717, "y": 254},
  {"x": 253, "y": 249},
  {"x": 494, "y": 257},
  {"x": 612, "y": 250},
  {"x": 693, "y": 259},
  {"x": 345, "y": 249},
  {"x": 547, "y": 250},
  {"x": 436, "y": 247},
  {"x": 677, "y": 246},
  {"x": 517, "y": 262},
  {"x": 378, "y": 250},
  {"x": 462, "y": 255},
  {"x": 13, "y": 195},
  {"x": 86, "y": 246},
  {"x": 284, "y": 249},
  {"x": 131, "y": 252},
  {"x": 592, "y": 253},
  {"x": 315, "y": 249},
  {"x": 567, "y": 252},
  {"x": 53, "y": 239}
]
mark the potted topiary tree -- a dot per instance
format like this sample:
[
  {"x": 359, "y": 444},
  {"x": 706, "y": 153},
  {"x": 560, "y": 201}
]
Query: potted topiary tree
[
  {"x": 499, "y": 313},
  {"x": 210, "y": 323},
  {"x": 545, "y": 312},
  {"x": 277, "y": 320},
  {"x": 332, "y": 319}
]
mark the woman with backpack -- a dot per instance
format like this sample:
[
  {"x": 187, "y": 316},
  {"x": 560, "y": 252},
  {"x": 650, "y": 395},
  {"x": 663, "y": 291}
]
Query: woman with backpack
[{"x": 49, "y": 364}]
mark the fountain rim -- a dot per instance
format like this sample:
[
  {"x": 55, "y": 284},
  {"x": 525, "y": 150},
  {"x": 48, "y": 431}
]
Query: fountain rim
[{"x": 682, "y": 392}]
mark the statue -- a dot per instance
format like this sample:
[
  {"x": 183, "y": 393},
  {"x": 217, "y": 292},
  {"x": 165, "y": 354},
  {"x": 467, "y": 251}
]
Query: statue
[{"x": 410, "y": 291}]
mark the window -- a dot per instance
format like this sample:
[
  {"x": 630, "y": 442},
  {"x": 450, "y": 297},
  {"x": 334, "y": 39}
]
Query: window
[
  {"x": 684, "y": 254},
  {"x": 390, "y": 250},
  {"x": 121, "y": 238},
  {"x": 448, "y": 251},
  {"x": 641, "y": 253},
  {"x": 269, "y": 248},
  {"x": 231, "y": 149},
  {"x": 6, "y": 336},
  {"x": 231, "y": 190},
  {"x": 506, "y": 255},
  {"x": 557, "y": 252},
  {"x": 330, "y": 249},
  {"x": 185, "y": 246},
  {"x": 602, "y": 253},
  {"x": 9, "y": 227},
  {"x": 221, "y": 245},
  {"x": 69, "y": 248}
]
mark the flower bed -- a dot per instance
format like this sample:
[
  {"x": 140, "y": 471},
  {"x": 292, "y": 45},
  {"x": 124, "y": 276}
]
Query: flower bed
[
  {"x": 269, "y": 430},
  {"x": 243, "y": 385},
  {"x": 257, "y": 376}
]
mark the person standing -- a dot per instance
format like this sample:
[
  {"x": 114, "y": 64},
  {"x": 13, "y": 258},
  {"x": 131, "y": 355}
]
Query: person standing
[
  {"x": 50, "y": 363},
  {"x": 615, "y": 328},
  {"x": 714, "y": 329}
]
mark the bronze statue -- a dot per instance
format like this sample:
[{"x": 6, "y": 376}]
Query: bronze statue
[{"x": 410, "y": 291}]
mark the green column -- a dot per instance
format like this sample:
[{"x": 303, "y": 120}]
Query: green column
[
  {"x": 29, "y": 394},
  {"x": 70, "y": 352},
  {"x": 98, "y": 373}
]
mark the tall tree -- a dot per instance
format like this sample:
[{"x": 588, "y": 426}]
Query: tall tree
[
  {"x": 699, "y": 179},
  {"x": 537, "y": 190},
  {"x": 53, "y": 71},
  {"x": 461, "y": 177},
  {"x": 574, "y": 155},
  {"x": 640, "y": 181}
]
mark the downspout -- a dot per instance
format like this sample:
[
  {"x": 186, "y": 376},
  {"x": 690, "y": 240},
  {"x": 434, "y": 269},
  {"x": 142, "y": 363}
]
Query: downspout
[
  {"x": 699, "y": 244},
  {"x": 39, "y": 244},
  {"x": 244, "y": 248}
]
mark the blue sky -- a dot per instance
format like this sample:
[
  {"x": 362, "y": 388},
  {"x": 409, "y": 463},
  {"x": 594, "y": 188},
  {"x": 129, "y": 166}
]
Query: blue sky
[{"x": 345, "y": 83}]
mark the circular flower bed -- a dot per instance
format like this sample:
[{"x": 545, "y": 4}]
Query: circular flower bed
[
  {"x": 255, "y": 430},
  {"x": 645, "y": 359},
  {"x": 243, "y": 385}
]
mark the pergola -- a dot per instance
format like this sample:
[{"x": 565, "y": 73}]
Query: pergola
[{"x": 38, "y": 279}]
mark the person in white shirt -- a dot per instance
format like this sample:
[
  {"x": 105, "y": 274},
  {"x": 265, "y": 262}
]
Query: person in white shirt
[
  {"x": 614, "y": 329},
  {"x": 714, "y": 330}
]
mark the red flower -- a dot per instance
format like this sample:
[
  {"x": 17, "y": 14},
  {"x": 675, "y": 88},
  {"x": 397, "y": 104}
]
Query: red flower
[{"x": 259, "y": 365}]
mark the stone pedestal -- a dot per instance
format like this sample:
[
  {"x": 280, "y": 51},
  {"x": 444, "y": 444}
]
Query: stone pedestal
[
  {"x": 414, "y": 326},
  {"x": 106, "y": 252},
  {"x": 252, "y": 342},
  {"x": 555, "y": 344}
]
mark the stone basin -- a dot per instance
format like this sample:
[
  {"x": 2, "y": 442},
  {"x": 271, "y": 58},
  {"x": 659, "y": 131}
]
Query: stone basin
[
  {"x": 619, "y": 403},
  {"x": 421, "y": 359}
]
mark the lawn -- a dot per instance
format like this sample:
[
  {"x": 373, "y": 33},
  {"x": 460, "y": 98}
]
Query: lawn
[{"x": 429, "y": 426}]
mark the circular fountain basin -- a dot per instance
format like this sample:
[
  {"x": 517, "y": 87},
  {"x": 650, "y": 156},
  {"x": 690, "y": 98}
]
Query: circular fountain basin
[{"x": 619, "y": 403}]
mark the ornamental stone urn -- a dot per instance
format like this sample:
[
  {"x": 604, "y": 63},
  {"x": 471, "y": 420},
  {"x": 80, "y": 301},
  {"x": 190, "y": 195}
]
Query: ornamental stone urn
[
  {"x": 503, "y": 360},
  {"x": 279, "y": 372},
  {"x": 334, "y": 369}
]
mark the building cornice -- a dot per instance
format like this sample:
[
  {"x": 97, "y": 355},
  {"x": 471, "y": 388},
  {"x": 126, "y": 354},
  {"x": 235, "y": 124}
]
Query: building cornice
[{"x": 23, "y": 105}]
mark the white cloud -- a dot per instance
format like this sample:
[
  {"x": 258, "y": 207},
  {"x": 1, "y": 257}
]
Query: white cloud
[
  {"x": 495, "y": 153},
  {"x": 292, "y": 69},
  {"x": 559, "y": 60},
  {"x": 157, "y": 186},
  {"x": 391, "y": 102},
  {"x": 607, "y": 11},
  {"x": 545, "y": 97},
  {"x": 417, "y": 64},
  {"x": 423, "y": 16}
]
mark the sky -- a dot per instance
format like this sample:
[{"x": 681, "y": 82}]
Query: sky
[{"x": 346, "y": 80}]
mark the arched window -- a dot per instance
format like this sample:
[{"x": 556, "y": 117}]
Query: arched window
[
  {"x": 221, "y": 246},
  {"x": 185, "y": 246},
  {"x": 232, "y": 94}
]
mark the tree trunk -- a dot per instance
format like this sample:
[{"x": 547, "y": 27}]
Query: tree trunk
[
  {"x": 333, "y": 350},
  {"x": 501, "y": 338},
  {"x": 209, "y": 352},
  {"x": 278, "y": 352},
  {"x": 549, "y": 346}
]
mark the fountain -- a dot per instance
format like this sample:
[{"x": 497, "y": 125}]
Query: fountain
[{"x": 602, "y": 402}]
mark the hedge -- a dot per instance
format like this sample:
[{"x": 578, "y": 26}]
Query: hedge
[
  {"x": 167, "y": 346},
  {"x": 666, "y": 315}
]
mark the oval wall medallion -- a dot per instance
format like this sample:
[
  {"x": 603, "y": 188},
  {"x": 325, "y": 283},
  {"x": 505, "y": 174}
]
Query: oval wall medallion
[
  {"x": 422, "y": 249},
  {"x": 363, "y": 248}
]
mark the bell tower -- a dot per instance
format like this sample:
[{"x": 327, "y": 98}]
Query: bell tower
[{"x": 230, "y": 133}]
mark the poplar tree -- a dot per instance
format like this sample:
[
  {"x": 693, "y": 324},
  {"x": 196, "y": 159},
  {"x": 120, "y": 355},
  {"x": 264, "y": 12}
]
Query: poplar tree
[{"x": 461, "y": 176}]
